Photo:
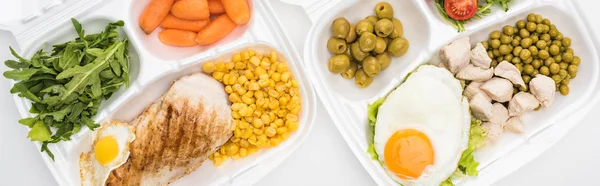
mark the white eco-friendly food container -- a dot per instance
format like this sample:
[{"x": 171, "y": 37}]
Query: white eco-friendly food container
[
  {"x": 427, "y": 33},
  {"x": 153, "y": 67}
]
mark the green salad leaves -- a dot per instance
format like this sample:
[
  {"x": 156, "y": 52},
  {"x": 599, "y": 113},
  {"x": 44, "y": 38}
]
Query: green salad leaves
[
  {"x": 67, "y": 86},
  {"x": 484, "y": 8}
]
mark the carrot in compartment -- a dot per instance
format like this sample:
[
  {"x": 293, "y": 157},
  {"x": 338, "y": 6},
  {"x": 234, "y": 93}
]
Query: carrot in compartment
[
  {"x": 176, "y": 37},
  {"x": 192, "y": 10},
  {"x": 154, "y": 13},
  {"x": 237, "y": 10},
  {"x": 215, "y": 7},
  {"x": 175, "y": 23},
  {"x": 215, "y": 30}
]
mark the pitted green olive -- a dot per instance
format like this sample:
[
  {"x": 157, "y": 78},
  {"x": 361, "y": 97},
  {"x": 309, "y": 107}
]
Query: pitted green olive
[
  {"x": 351, "y": 35},
  {"x": 349, "y": 74},
  {"x": 367, "y": 42},
  {"x": 372, "y": 19},
  {"x": 358, "y": 54},
  {"x": 340, "y": 28},
  {"x": 339, "y": 63},
  {"x": 384, "y": 60},
  {"x": 380, "y": 46},
  {"x": 384, "y": 10},
  {"x": 398, "y": 29},
  {"x": 364, "y": 26},
  {"x": 336, "y": 45},
  {"x": 398, "y": 46},
  {"x": 361, "y": 79},
  {"x": 371, "y": 66},
  {"x": 384, "y": 27}
]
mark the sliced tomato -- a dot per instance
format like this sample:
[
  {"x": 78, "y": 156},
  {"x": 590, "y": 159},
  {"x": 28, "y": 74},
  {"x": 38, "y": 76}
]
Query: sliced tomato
[{"x": 460, "y": 9}]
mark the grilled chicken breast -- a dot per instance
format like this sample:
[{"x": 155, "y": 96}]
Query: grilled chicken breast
[{"x": 175, "y": 134}]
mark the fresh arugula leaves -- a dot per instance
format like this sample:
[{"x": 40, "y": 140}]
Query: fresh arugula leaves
[{"x": 67, "y": 86}]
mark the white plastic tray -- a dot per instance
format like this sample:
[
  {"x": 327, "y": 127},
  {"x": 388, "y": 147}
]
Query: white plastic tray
[
  {"x": 427, "y": 33},
  {"x": 153, "y": 67}
]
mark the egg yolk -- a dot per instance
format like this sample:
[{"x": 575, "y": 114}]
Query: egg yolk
[
  {"x": 407, "y": 153},
  {"x": 106, "y": 150}
]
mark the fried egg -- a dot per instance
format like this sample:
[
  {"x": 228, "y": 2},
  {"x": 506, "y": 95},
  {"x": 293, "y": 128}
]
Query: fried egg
[
  {"x": 422, "y": 128},
  {"x": 109, "y": 150}
]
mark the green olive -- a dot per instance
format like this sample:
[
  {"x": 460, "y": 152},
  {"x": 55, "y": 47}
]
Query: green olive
[
  {"x": 384, "y": 10},
  {"x": 398, "y": 46},
  {"x": 340, "y": 28},
  {"x": 563, "y": 65},
  {"x": 556, "y": 78},
  {"x": 557, "y": 58},
  {"x": 517, "y": 51},
  {"x": 490, "y": 54},
  {"x": 339, "y": 63},
  {"x": 576, "y": 61},
  {"x": 540, "y": 44},
  {"x": 495, "y": 34},
  {"x": 515, "y": 42},
  {"x": 544, "y": 70},
  {"x": 523, "y": 33},
  {"x": 398, "y": 29},
  {"x": 526, "y": 78},
  {"x": 546, "y": 22},
  {"x": 525, "y": 43},
  {"x": 536, "y": 63},
  {"x": 504, "y": 39},
  {"x": 521, "y": 24},
  {"x": 572, "y": 69},
  {"x": 485, "y": 44},
  {"x": 554, "y": 50},
  {"x": 554, "y": 68},
  {"x": 362, "y": 80},
  {"x": 533, "y": 50},
  {"x": 549, "y": 61},
  {"x": 516, "y": 60},
  {"x": 384, "y": 27},
  {"x": 504, "y": 49},
  {"x": 366, "y": 41},
  {"x": 566, "y": 42},
  {"x": 519, "y": 67},
  {"x": 528, "y": 69},
  {"x": 545, "y": 37},
  {"x": 380, "y": 45},
  {"x": 358, "y": 54},
  {"x": 349, "y": 74},
  {"x": 496, "y": 52},
  {"x": 508, "y": 57},
  {"x": 531, "y": 17},
  {"x": 351, "y": 35},
  {"x": 372, "y": 19},
  {"x": 495, "y": 43},
  {"x": 508, "y": 30},
  {"x": 567, "y": 57},
  {"x": 336, "y": 45},
  {"x": 564, "y": 90},
  {"x": 348, "y": 52},
  {"x": 371, "y": 66},
  {"x": 364, "y": 26},
  {"x": 563, "y": 73},
  {"x": 525, "y": 54},
  {"x": 531, "y": 26},
  {"x": 543, "y": 54},
  {"x": 384, "y": 60}
]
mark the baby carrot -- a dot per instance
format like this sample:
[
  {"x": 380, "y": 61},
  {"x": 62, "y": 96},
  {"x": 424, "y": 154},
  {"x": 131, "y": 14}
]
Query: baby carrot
[
  {"x": 191, "y": 10},
  {"x": 215, "y": 30},
  {"x": 175, "y": 37},
  {"x": 154, "y": 13},
  {"x": 175, "y": 23},
  {"x": 215, "y": 7},
  {"x": 237, "y": 10}
]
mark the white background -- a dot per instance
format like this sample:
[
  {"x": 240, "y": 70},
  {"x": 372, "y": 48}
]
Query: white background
[{"x": 324, "y": 158}]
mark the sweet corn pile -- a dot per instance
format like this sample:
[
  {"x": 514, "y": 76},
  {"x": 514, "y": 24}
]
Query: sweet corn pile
[{"x": 265, "y": 102}]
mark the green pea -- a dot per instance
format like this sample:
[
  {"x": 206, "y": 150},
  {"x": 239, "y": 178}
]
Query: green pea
[
  {"x": 536, "y": 63},
  {"x": 517, "y": 50},
  {"x": 538, "y": 18},
  {"x": 523, "y": 89},
  {"x": 553, "y": 33},
  {"x": 516, "y": 60},
  {"x": 576, "y": 61},
  {"x": 556, "y": 78},
  {"x": 519, "y": 66},
  {"x": 504, "y": 49},
  {"x": 552, "y": 26},
  {"x": 548, "y": 61},
  {"x": 554, "y": 50},
  {"x": 569, "y": 50},
  {"x": 557, "y": 58},
  {"x": 543, "y": 54},
  {"x": 485, "y": 44},
  {"x": 494, "y": 63},
  {"x": 564, "y": 90},
  {"x": 525, "y": 43},
  {"x": 565, "y": 80},
  {"x": 531, "y": 17},
  {"x": 495, "y": 34},
  {"x": 528, "y": 69},
  {"x": 545, "y": 37},
  {"x": 559, "y": 36},
  {"x": 518, "y": 38},
  {"x": 515, "y": 42},
  {"x": 508, "y": 57},
  {"x": 563, "y": 65},
  {"x": 557, "y": 43},
  {"x": 496, "y": 52},
  {"x": 531, "y": 26},
  {"x": 535, "y": 72},
  {"x": 540, "y": 44},
  {"x": 508, "y": 30},
  {"x": 534, "y": 38},
  {"x": 521, "y": 24},
  {"x": 546, "y": 22},
  {"x": 504, "y": 39},
  {"x": 546, "y": 29},
  {"x": 523, "y": 33},
  {"x": 572, "y": 71},
  {"x": 500, "y": 58},
  {"x": 526, "y": 78},
  {"x": 490, "y": 54},
  {"x": 566, "y": 42},
  {"x": 545, "y": 70},
  {"x": 562, "y": 73},
  {"x": 554, "y": 68},
  {"x": 528, "y": 60},
  {"x": 525, "y": 54},
  {"x": 533, "y": 50},
  {"x": 495, "y": 43},
  {"x": 539, "y": 29},
  {"x": 567, "y": 57}
]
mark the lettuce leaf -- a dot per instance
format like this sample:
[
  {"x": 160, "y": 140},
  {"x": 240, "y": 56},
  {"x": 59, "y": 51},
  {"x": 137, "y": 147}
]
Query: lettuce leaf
[
  {"x": 467, "y": 166},
  {"x": 372, "y": 110},
  {"x": 39, "y": 132}
]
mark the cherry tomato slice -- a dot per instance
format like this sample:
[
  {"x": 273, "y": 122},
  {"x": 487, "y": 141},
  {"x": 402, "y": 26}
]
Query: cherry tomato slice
[{"x": 460, "y": 9}]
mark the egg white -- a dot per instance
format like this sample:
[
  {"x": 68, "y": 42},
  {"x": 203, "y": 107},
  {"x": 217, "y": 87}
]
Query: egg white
[
  {"x": 427, "y": 101},
  {"x": 91, "y": 171}
]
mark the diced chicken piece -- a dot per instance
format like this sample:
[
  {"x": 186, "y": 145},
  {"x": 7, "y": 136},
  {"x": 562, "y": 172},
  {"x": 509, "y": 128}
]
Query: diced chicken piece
[
  {"x": 479, "y": 57},
  {"x": 493, "y": 132},
  {"x": 456, "y": 55},
  {"x": 498, "y": 89},
  {"x": 499, "y": 114},
  {"x": 481, "y": 108},
  {"x": 473, "y": 89},
  {"x": 514, "y": 124},
  {"x": 473, "y": 73},
  {"x": 510, "y": 72},
  {"x": 543, "y": 88},
  {"x": 522, "y": 102}
]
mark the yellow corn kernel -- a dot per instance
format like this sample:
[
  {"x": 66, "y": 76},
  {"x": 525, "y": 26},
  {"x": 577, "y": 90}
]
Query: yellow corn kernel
[
  {"x": 242, "y": 79},
  {"x": 253, "y": 85},
  {"x": 232, "y": 149},
  {"x": 280, "y": 87},
  {"x": 232, "y": 79},
  {"x": 234, "y": 98},
  {"x": 261, "y": 143},
  {"x": 294, "y": 91},
  {"x": 236, "y": 57},
  {"x": 244, "y": 143},
  {"x": 271, "y": 71},
  {"x": 243, "y": 152},
  {"x": 236, "y": 115},
  {"x": 235, "y": 140},
  {"x": 266, "y": 105},
  {"x": 218, "y": 161},
  {"x": 257, "y": 123},
  {"x": 242, "y": 125},
  {"x": 223, "y": 150},
  {"x": 262, "y": 83},
  {"x": 243, "y": 111},
  {"x": 241, "y": 91},
  {"x": 224, "y": 157},
  {"x": 240, "y": 65},
  {"x": 249, "y": 75},
  {"x": 265, "y": 119},
  {"x": 276, "y": 76},
  {"x": 211, "y": 157},
  {"x": 258, "y": 131},
  {"x": 270, "y": 132},
  {"x": 273, "y": 93},
  {"x": 235, "y": 157},
  {"x": 252, "y": 150},
  {"x": 295, "y": 83},
  {"x": 248, "y": 100},
  {"x": 249, "y": 94},
  {"x": 236, "y": 87},
  {"x": 281, "y": 130},
  {"x": 282, "y": 67},
  {"x": 272, "y": 116},
  {"x": 254, "y": 61},
  {"x": 220, "y": 67},
  {"x": 264, "y": 76},
  {"x": 291, "y": 117},
  {"x": 209, "y": 67},
  {"x": 217, "y": 154},
  {"x": 228, "y": 89},
  {"x": 295, "y": 100},
  {"x": 251, "y": 52},
  {"x": 273, "y": 104},
  {"x": 283, "y": 100},
  {"x": 235, "y": 107},
  {"x": 281, "y": 113},
  {"x": 275, "y": 141},
  {"x": 259, "y": 70},
  {"x": 273, "y": 125},
  {"x": 296, "y": 109},
  {"x": 288, "y": 85},
  {"x": 252, "y": 140},
  {"x": 245, "y": 55},
  {"x": 292, "y": 125},
  {"x": 229, "y": 65},
  {"x": 260, "y": 102},
  {"x": 271, "y": 83},
  {"x": 286, "y": 136},
  {"x": 246, "y": 133},
  {"x": 259, "y": 94},
  {"x": 237, "y": 133},
  {"x": 265, "y": 64},
  {"x": 249, "y": 119},
  {"x": 245, "y": 85},
  {"x": 285, "y": 76},
  {"x": 218, "y": 76},
  {"x": 273, "y": 56},
  {"x": 235, "y": 124}
]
